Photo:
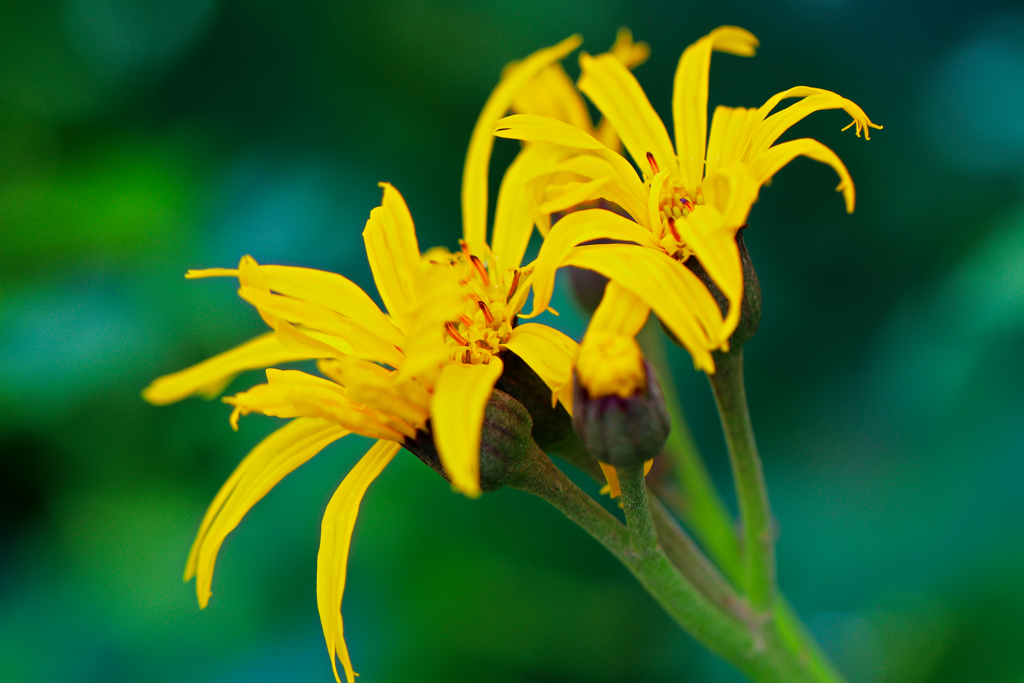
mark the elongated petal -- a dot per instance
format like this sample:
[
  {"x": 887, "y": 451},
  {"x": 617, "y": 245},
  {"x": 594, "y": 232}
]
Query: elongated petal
[
  {"x": 676, "y": 295},
  {"x": 376, "y": 387},
  {"x": 513, "y": 215},
  {"x": 568, "y": 233},
  {"x": 714, "y": 243},
  {"x": 813, "y": 99},
  {"x": 335, "y": 539},
  {"x": 620, "y": 311},
  {"x": 690, "y": 94},
  {"x": 624, "y": 188},
  {"x": 566, "y": 196},
  {"x": 616, "y": 92},
  {"x": 654, "y": 204},
  {"x": 394, "y": 253},
  {"x": 334, "y": 292},
  {"x": 273, "y": 459},
  {"x": 767, "y": 163},
  {"x": 550, "y": 354},
  {"x": 209, "y": 377},
  {"x": 481, "y": 142},
  {"x": 731, "y": 190},
  {"x": 360, "y": 341},
  {"x": 626, "y": 51},
  {"x": 457, "y": 417},
  {"x": 730, "y": 134}
]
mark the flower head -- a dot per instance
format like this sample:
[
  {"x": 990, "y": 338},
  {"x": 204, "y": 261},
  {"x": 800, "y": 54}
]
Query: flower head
[
  {"x": 690, "y": 199},
  {"x": 425, "y": 368}
]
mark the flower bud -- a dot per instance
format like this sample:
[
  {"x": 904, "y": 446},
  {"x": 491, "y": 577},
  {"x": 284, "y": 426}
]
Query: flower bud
[
  {"x": 505, "y": 442},
  {"x": 618, "y": 409}
]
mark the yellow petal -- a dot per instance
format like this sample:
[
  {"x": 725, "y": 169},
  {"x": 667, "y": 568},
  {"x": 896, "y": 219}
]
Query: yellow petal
[
  {"x": 615, "y": 91},
  {"x": 654, "y": 204},
  {"x": 690, "y": 94},
  {"x": 481, "y": 142},
  {"x": 273, "y": 459},
  {"x": 577, "y": 228},
  {"x": 620, "y": 312},
  {"x": 676, "y": 295},
  {"x": 731, "y": 190},
  {"x": 730, "y": 134},
  {"x": 568, "y": 195},
  {"x": 714, "y": 244},
  {"x": 513, "y": 215},
  {"x": 360, "y": 341},
  {"x": 334, "y": 292},
  {"x": 209, "y": 377},
  {"x": 813, "y": 99},
  {"x": 624, "y": 188},
  {"x": 394, "y": 254},
  {"x": 767, "y": 163},
  {"x": 550, "y": 354},
  {"x": 335, "y": 540},
  {"x": 457, "y": 417}
]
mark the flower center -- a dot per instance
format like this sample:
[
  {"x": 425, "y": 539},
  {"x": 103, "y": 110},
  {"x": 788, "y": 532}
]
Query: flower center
[
  {"x": 487, "y": 321},
  {"x": 675, "y": 204}
]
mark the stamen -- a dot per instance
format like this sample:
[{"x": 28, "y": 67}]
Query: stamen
[
  {"x": 686, "y": 203},
  {"x": 488, "y": 316},
  {"x": 464, "y": 247},
  {"x": 515, "y": 285},
  {"x": 653, "y": 164},
  {"x": 467, "y": 356},
  {"x": 480, "y": 269},
  {"x": 466, "y": 320},
  {"x": 672, "y": 228},
  {"x": 454, "y": 334}
]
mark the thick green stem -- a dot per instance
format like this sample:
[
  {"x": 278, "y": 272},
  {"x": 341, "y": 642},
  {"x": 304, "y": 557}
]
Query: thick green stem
[
  {"x": 759, "y": 654},
  {"x": 751, "y": 492},
  {"x": 701, "y": 506}
]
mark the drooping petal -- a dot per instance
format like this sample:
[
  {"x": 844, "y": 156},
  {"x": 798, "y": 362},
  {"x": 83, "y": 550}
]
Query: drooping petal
[
  {"x": 334, "y": 292},
  {"x": 273, "y": 459},
  {"x": 769, "y": 129},
  {"x": 730, "y": 134},
  {"x": 676, "y": 295},
  {"x": 616, "y": 92},
  {"x": 209, "y": 377},
  {"x": 767, "y": 163},
  {"x": 360, "y": 341},
  {"x": 394, "y": 254},
  {"x": 550, "y": 354},
  {"x": 573, "y": 230},
  {"x": 457, "y": 417},
  {"x": 620, "y": 312},
  {"x": 690, "y": 95},
  {"x": 335, "y": 539},
  {"x": 481, "y": 142}
]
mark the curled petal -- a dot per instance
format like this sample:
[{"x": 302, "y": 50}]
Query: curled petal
[
  {"x": 394, "y": 254},
  {"x": 767, "y": 163}
]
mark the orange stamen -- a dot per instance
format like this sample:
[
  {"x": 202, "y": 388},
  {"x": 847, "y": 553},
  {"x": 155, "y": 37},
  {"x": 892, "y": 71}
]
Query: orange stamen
[
  {"x": 488, "y": 316},
  {"x": 672, "y": 229},
  {"x": 454, "y": 334},
  {"x": 653, "y": 164},
  {"x": 515, "y": 285},
  {"x": 481, "y": 270},
  {"x": 466, "y": 321},
  {"x": 467, "y": 356}
]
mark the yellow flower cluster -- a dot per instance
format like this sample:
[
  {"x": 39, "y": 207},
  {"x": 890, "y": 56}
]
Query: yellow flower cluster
[{"x": 429, "y": 362}]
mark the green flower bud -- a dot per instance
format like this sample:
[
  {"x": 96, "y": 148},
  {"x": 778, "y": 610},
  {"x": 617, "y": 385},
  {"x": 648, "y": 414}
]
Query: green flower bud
[
  {"x": 618, "y": 408},
  {"x": 505, "y": 442}
]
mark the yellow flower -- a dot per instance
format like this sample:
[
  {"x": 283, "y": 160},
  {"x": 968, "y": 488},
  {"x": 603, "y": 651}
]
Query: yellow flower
[
  {"x": 434, "y": 356},
  {"x": 692, "y": 198}
]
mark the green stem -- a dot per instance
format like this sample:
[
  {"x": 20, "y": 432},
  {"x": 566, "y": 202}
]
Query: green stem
[
  {"x": 758, "y": 653},
  {"x": 701, "y": 506},
  {"x": 751, "y": 492}
]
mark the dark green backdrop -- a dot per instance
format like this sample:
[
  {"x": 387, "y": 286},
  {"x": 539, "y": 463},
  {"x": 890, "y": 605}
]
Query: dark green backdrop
[{"x": 138, "y": 139}]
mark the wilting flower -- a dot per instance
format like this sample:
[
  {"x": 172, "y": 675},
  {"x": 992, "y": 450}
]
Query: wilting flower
[
  {"x": 424, "y": 369},
  {"x": 692, "y": 198}
]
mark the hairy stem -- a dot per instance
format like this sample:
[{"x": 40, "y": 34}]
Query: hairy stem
[{"x": 751, "y": 492}]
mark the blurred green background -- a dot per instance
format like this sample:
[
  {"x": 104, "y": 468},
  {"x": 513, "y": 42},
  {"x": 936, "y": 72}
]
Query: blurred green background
[{"x": 141, "y": 138}]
